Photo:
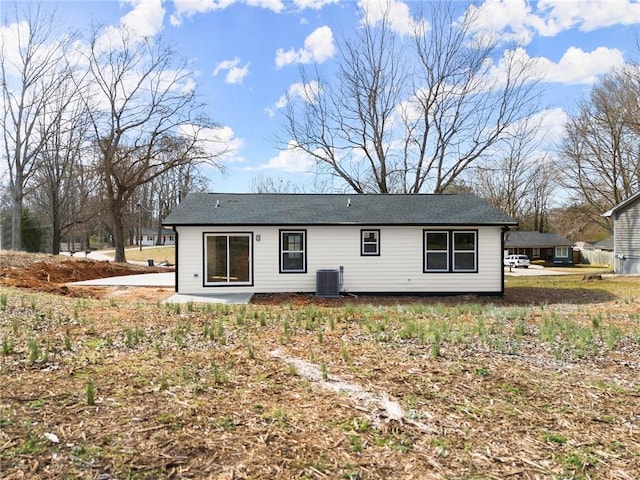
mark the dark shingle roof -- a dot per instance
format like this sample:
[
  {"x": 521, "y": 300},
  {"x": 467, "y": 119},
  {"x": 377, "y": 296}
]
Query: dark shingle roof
[
  {"x": 624, "y": 204},
  {"x": 325, "y": 209},
  {"x": 519, "y": 239}
]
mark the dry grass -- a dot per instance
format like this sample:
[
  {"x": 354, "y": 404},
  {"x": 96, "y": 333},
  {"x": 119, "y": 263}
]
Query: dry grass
[{"x": 529, "y": 386}]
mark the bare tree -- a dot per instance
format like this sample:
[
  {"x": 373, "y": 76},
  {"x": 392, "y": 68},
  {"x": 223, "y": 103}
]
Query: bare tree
[
  {"x": 64, "y": 182},
  {"x": 517, "y": 179},
  {"x": 601, "y": 146},
  {"x": 33, "y": 66},
  {"x": 411, "y": 114},
  {"x": 145, "y": 118},
  {"x": 170, "y": 187}
]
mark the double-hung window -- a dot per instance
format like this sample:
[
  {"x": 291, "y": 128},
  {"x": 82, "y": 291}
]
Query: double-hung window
[
  {"x": 293, "y": 246},
  {"x": 450, "y": 251},
  {"x": 464, "y": 251},
  {"x": 561, "y": 252},
  {"x": 436, "y": 257},
  {"x": 369, "y": 242}
]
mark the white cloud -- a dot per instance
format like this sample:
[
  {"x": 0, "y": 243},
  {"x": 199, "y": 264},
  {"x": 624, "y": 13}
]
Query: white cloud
[
  {"x": 579, "y": 67},
  {"x": 308, "y": 92},
  {"x": 397, "y": 12},
  {"x": 587, "y": 15},
  {"x": 273, "y": 5},
  {"x": 189, "y": 8},
  {"x": 291, "y": 160},
  {"x": 145, "y": 19},
  {"x": 313, "y": 4},
  {"x": 575, "y": 67},
  {"x": 220, "y": 142},
  {"x": 551, "y": 125},
  {"x": 520, "y": 20},
  {"x": 512, "y": 18},
  {"x": 318, "y": 47},
  {"x": 235, "y": 73}
]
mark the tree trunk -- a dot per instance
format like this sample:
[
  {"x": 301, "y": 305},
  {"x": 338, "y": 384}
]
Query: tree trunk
[
  {"x": 16, "y": 215},
  {"x": 118, "y": 230}
]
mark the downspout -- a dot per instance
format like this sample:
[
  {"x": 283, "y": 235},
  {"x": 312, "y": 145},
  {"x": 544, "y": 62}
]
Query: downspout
[
  {"x": 175, "y": 258},
  {"x": 505, "y": 231}
]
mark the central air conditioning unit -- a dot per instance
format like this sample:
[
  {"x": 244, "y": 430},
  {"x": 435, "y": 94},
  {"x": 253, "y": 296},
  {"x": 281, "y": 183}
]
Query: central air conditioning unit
[{"x": 328, "y": 283}]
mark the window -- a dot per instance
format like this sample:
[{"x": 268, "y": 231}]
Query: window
[
  {"x": 293, "y": 258},
  {"x": 370, "y": 242},
  {"x": 450, "y": 251},
  {"x": 436, "y": 252},
  {"x": 227, "y": 259},
  {"x": 562, "y": 252},
  {"x": 464, "y": 251}
]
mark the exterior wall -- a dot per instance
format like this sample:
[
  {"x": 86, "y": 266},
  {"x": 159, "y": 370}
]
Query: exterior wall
[
  {"x": 626, "y": 240},
  {"x": 398, "y": 268}
]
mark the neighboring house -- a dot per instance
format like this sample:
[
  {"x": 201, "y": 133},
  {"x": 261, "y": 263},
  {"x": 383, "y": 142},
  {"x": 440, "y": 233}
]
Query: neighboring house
[
  {"x": 331, "y": 243},
  {"x": 150, "y": 237},
  {"x": 596, "y": 253},
  {"x": 626, "y": 235},
  {"x": 549, "y": 247}
]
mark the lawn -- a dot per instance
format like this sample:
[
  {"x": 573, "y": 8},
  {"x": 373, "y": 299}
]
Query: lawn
[
  {"x": 542, "y": 383},
  {"x": 158, "y": 254}
]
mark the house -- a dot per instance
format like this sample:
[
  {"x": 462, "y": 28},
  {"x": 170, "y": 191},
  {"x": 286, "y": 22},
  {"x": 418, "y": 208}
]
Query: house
[
  {"x": 549, "y": 247},
  {"x": 595, "y": 253},
  {"x": 150, "y": 237},
  {"x": 626, "y": 235},
  {"x": 331, "y": 243}
]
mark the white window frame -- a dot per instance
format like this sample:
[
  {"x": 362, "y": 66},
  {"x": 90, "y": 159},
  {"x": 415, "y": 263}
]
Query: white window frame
[
  {"x": 302, "y": 251},
  {"x": 364, "y": 241},
  {"x": 558, "y": 252},
  {"x": 475, "y": 250},
  {"x": 427, "y": 252}
]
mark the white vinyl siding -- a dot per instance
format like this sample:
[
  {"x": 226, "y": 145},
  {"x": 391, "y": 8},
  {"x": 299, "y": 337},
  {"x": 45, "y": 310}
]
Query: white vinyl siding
[{"x": 398, "y": 268}]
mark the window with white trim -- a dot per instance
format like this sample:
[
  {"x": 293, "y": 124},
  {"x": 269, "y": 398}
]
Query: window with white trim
[
  {"x": 464, "y": 251},
  {"x": 562, "y": 252},
  {"x": 450, "y": 251},
  {"x": 293, "y": 258},
  {"x": 369, "y": 242},
  {"x": 436, "y": 253}
]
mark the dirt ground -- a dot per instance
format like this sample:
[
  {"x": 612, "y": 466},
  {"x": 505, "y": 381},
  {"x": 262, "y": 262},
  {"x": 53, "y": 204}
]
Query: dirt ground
[
  {"x": 104, "y": 384},
  {"x": 52, "y": 273}
]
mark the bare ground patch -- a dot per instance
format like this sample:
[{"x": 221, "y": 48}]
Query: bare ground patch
[{"x": 488, "y": 388}]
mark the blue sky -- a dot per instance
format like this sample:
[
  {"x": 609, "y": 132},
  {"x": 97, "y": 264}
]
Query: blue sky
[{"x": 247, "y": 55}]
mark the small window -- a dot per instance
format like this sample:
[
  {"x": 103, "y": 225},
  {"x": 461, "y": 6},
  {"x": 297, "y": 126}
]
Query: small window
[
  {"x": 293, "y": 257},
  {"x": 370, "y": 242},
  {"x": 562, "y": 252}
]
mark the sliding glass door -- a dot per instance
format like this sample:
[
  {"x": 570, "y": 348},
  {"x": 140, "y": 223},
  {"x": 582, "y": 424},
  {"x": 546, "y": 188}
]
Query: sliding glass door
[{"x": 228, "y": 259}]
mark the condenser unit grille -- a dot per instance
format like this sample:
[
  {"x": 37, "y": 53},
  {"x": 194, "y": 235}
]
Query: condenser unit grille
[{"x": 328, "y": 283}]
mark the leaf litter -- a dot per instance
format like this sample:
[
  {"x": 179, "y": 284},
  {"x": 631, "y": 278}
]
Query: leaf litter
[{"x": 297, "y": 387}]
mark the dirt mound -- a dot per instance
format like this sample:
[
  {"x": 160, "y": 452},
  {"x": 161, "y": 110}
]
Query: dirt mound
[{"x": 51, "y": 273}]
